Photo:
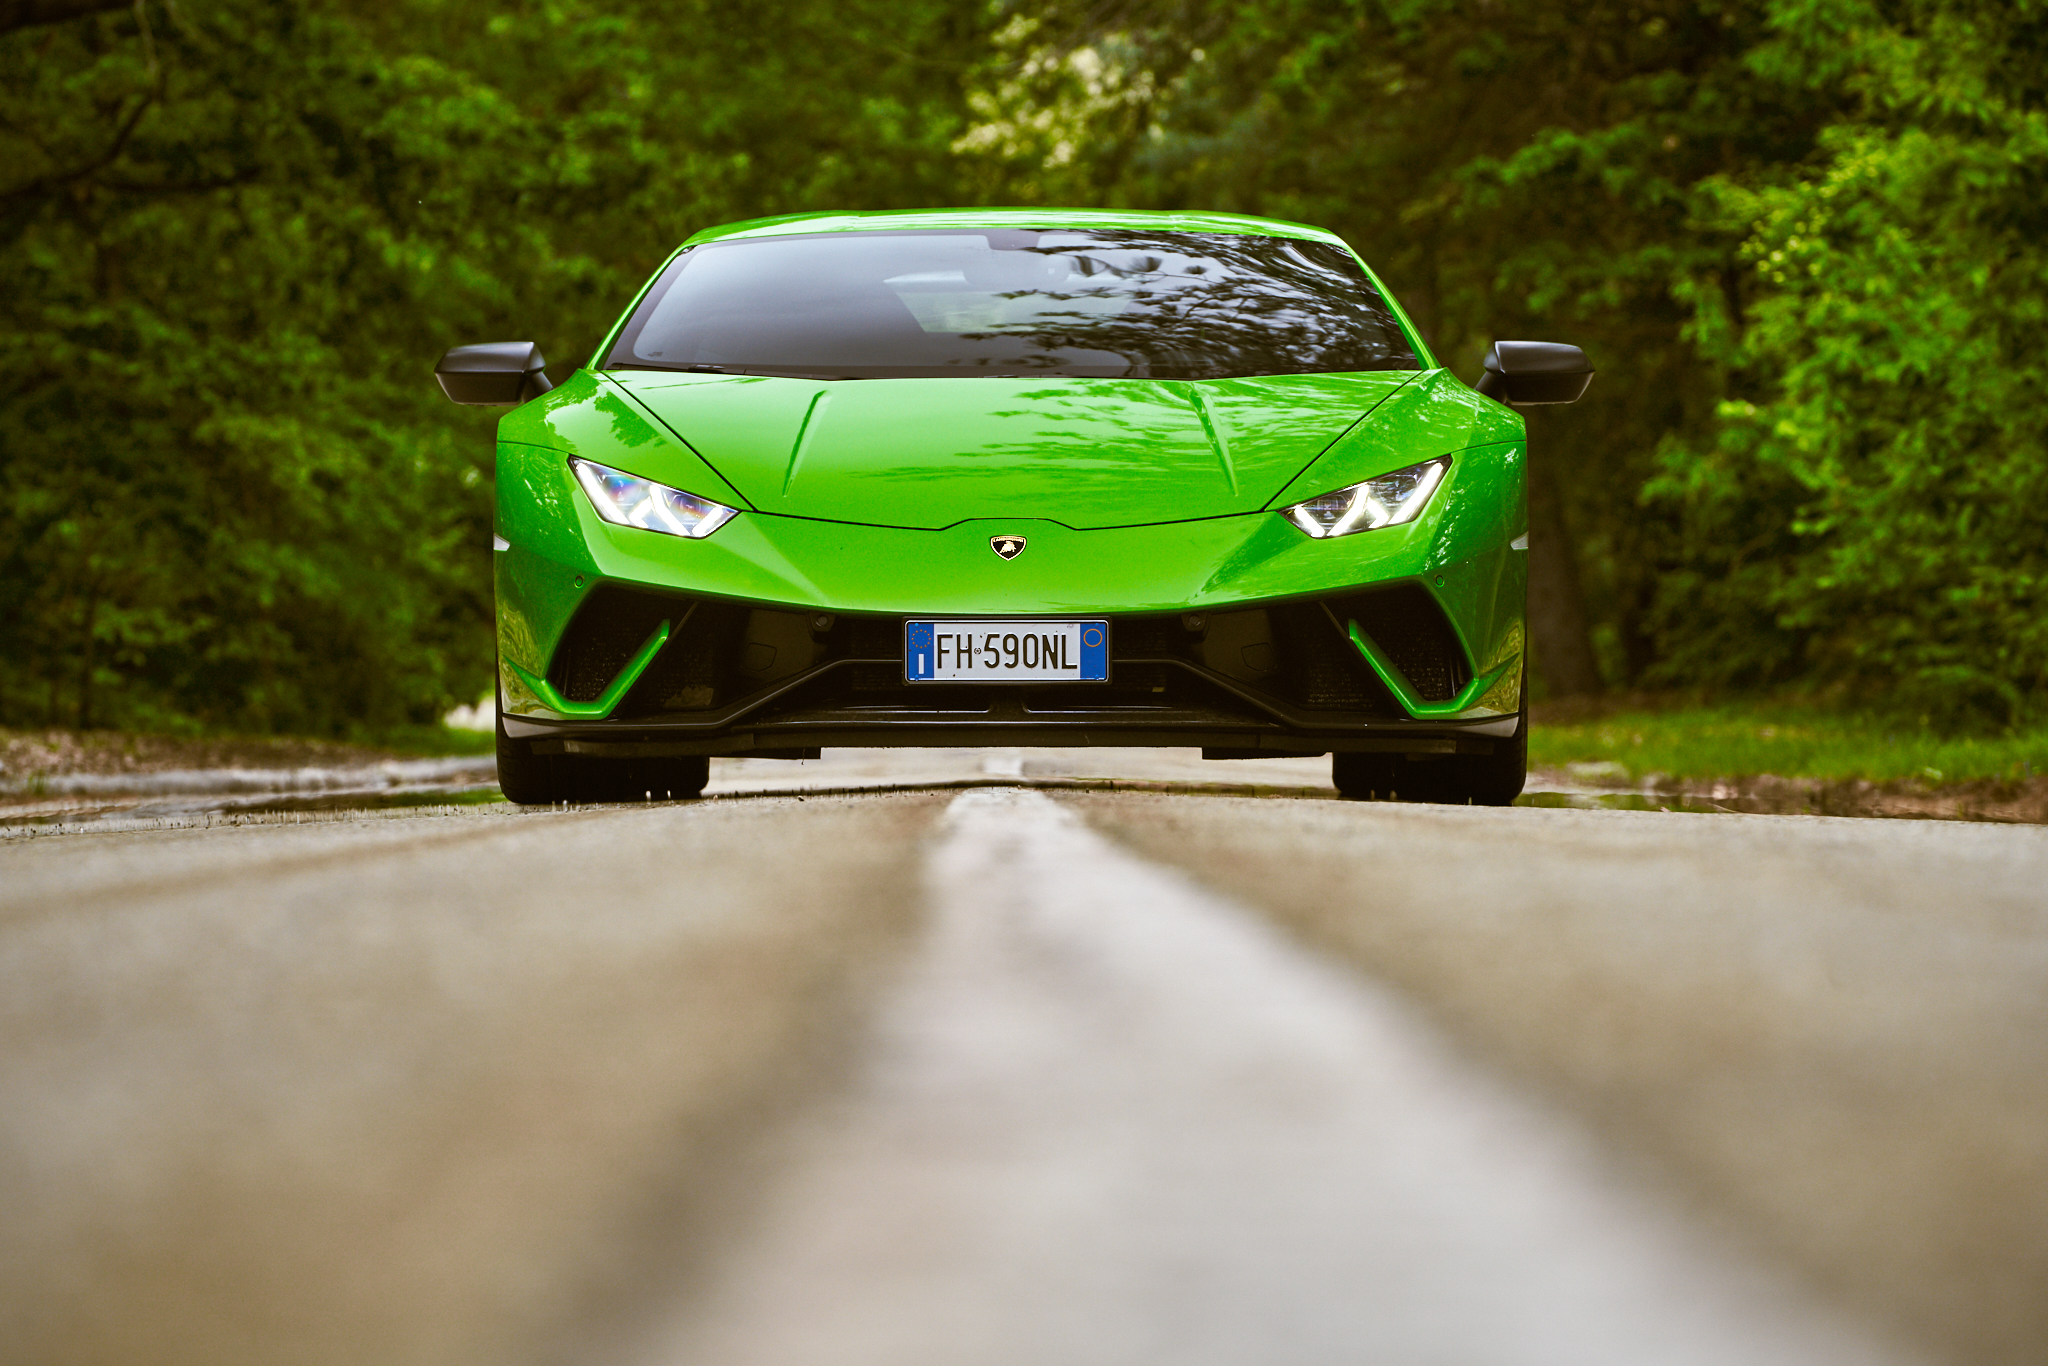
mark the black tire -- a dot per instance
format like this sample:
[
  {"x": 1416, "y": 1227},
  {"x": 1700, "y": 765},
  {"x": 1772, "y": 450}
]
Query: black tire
[
  {"x": 583, "y": 779},
  {"x": 1452, "y": 779},
  {"x": 544, "y": 779},
  {"x": 1494, "y": 779},
  {"x": 523, "y": 776},
  {"x": 1366, "y": 777}
]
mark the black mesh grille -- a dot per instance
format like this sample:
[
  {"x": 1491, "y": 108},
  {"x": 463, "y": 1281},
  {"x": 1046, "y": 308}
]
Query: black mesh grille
[
  {"x": 1411, "y": 630},
  {"x": 694, "y": 671},
  {"x": 1319, "y": 669},
  {"x": 873, "y": 638},
  {"x": 1146, "y": 637},
  {"x": 608, "y": 628},
  {"x": 1133, "y": 687}
]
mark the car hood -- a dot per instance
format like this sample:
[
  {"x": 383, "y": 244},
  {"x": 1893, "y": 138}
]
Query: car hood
[{"x": 1087, "y": 453}]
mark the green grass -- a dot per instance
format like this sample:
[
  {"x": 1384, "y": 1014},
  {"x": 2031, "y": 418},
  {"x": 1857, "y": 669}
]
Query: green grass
[
  {"x": 1740, "y": 741},
  {"x": 432, "y": 741}
]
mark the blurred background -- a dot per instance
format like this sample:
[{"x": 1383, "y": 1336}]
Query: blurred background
[
  {"x": 427, "y": 1078},
  {"x": 1801, "y": 239}
]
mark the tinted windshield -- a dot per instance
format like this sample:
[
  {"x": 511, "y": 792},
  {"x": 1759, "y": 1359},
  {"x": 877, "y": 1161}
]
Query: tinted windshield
[{"x": 871, "y": 305}]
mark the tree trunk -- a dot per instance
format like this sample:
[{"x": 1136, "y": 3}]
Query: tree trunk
[
  {"x": 85, "y": 666},
  {"x": 1560, "y": 646}
]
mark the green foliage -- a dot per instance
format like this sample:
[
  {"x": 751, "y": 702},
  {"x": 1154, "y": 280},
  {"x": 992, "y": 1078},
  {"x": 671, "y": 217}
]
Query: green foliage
[
  {"x": 1800, "y": 238},
  {"x": 1883, "y": 432},
  {"x": 233, "y": 238},
  {"x": 1522, "y": 170}
]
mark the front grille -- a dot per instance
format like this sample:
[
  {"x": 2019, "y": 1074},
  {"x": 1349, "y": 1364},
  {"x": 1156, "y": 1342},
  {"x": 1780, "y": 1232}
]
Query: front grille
[
  {"x": 1412, "y": 631},
  {"x": 608, "y": 629},
  {"x": 874, "y": 638},
  {"x": 876, "y": 677},
  {"x": 1134, "y": 687},
  {"x": 1296, "y": 654},
  {"x": 694, "y": 671},
  {"x": 690, "y": 673},
  {"x": 1146, "y": 637},
  {"x": 1319, "y": 669}
]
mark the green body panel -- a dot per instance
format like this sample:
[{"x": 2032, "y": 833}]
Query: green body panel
[
  {"x": 544, "y": 691},
  {"x": 927, "y": 453},
  {"x": 1469, "y": 701},
  {"x": 1459, "y": 549},
  {"x": 588, "y": 415},
  {"x": 880, "y": 496},
  {"x": 1431, "y": 416}
]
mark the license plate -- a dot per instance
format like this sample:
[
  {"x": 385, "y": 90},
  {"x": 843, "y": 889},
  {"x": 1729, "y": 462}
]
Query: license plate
[{"x": 1006, "y": 651}]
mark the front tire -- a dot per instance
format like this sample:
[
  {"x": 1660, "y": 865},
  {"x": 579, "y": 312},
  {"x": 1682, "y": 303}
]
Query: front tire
[
  {"x": 523, "y": 776},
  {"x": 531, "y": 779},
  {"x": 1494, "y": 779}
]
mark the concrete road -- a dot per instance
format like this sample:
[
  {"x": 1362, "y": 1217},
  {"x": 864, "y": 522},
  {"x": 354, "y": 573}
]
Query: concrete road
[{"x": 951, "y": 1059}]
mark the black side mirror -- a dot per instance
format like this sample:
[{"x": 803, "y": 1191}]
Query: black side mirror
[
  {"x": 1520, "y": 373},
  {"x": 493, "y": 375}
]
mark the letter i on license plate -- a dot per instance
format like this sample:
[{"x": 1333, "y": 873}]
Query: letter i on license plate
[{"x": 1006, "y": 651}]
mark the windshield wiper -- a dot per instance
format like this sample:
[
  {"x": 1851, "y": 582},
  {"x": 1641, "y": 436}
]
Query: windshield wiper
[
  {"x": 763, "y": 370},
  {"x": 673, "y": 369}
]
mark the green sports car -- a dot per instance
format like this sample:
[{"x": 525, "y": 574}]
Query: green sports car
[{"x": 1011, "y": 477}]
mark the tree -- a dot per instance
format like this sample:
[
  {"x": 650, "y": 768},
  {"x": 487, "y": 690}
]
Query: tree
[
  {"x": 1794, "y": 236},
  {"x": 234, "y": 237},
  {"x": 1867, "y": 508}
]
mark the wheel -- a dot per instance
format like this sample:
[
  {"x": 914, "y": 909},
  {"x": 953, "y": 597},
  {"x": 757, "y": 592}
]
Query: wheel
[
  {"x": 542, "y": 779},
  {"x": 1365, "y": 777},
  {"x": 1452, "y": 779},
  {"x": 583, "y": 779},
  {"x": 523, "y": 776},
  {"x": 1497, "y": 778}
]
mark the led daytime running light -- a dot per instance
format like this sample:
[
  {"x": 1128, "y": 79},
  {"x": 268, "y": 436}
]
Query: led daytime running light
[
  {"x": 1387, "y": 500},
  {"x": 628, "y": 500}
]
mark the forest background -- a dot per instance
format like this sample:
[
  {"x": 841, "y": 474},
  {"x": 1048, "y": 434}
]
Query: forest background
[{"x": 1805, "y": 243}]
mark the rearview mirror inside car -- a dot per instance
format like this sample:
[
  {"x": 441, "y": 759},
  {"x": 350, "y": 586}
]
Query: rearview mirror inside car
[
  {"x": 1520, "y": 373},
  {"x": 495, "y": 374}
]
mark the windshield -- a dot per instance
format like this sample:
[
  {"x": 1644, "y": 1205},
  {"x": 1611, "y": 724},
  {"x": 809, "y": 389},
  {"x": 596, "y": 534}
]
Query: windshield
[{"x": 1142, "y": 305}]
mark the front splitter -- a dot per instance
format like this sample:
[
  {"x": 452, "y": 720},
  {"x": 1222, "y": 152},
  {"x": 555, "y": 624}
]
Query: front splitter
[{"x": 798, "y": 736}]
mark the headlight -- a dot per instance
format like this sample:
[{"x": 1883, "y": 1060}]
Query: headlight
[
  {"x": 1389, "y": 500},
  {"x": 628, "y": 500}
]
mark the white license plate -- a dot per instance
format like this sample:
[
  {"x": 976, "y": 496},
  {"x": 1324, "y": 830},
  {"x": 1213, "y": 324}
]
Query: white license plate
[{"x": 1006, "y": 651}]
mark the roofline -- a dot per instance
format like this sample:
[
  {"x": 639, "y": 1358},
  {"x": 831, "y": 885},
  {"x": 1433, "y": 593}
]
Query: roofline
[{"x": 883, "y": 220}]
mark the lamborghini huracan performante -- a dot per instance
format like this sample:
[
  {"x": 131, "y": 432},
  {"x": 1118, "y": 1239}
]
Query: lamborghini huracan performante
[{"x": 1011, "y": 477}]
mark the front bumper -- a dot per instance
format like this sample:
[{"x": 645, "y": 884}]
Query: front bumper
[
  {"x": 648, "y": 674},
  {"x": 666, "y": 674},
  {"x": 783, "y": 635}
]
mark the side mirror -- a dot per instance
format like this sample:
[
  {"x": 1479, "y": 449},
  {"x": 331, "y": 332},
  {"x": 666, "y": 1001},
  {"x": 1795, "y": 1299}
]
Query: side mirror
[
  {"x": 1519, "y": 373},
  {"x": 495, "y": 374}
]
